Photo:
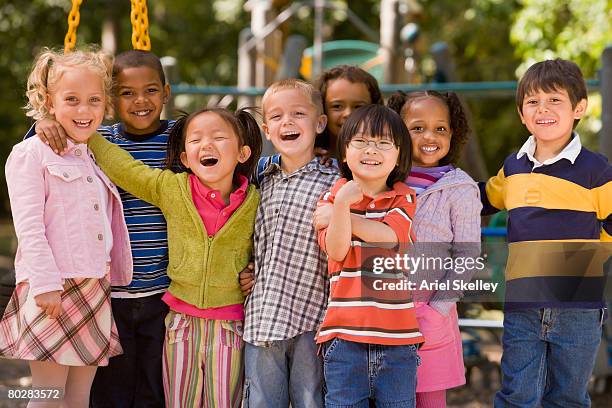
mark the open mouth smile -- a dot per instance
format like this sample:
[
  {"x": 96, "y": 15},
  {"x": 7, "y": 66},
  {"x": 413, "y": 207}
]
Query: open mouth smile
[
  {"x": 370, "y": 162},
  {"x": 289, "y": 135},
  {"x": 142, "y": 113},
  {"x": 208, "y": 161},
  {"x": 82, "y": 123}
]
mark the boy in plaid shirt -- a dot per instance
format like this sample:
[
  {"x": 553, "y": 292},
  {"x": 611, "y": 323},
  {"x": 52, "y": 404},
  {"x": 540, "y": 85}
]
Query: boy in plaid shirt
[{"x": 288, "y": 299}]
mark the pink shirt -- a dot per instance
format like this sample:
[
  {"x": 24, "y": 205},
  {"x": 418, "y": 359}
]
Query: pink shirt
[
  {"x": 60, "y": 218},
  {"x": 214, "y": 213}
]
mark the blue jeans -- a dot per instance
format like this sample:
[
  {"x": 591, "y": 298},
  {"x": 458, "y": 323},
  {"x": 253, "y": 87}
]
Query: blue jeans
[
  {"x": 357, "y": 372},
  {"x": 286, "y": 371},
  {"x": 548, "y": 357}
]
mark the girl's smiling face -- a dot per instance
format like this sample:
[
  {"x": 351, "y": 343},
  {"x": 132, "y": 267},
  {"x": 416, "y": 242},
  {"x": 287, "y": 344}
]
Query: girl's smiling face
[
  {"x": 77, "y": 102},
  {"x": 212, "y": 151},
  {"x": 341, "y": 99},
  {"x": 428, "y": 122}
]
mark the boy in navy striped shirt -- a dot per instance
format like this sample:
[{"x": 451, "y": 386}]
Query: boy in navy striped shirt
[
  {"x": 134, "y": 378},
  {"x": 559, "y": 200}
]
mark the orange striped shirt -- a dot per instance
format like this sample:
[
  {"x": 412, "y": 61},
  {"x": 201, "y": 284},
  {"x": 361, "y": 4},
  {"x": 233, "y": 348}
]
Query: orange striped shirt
[{"x": 365, "y": 305}]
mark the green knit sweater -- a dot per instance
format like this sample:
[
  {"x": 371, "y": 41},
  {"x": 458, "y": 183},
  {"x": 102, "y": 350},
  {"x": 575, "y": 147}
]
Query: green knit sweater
[{"x": 203, "y": 270}]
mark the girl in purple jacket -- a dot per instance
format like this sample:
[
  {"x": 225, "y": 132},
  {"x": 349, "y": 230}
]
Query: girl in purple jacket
[
  {"x": 448, "y": 212},
  {"x": 69, "y": 224}
]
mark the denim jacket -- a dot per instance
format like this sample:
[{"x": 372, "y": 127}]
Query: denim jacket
[{"x": 58, "y": 219}]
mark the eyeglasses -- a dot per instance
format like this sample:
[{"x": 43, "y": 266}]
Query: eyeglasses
[{"x": 380, "y": 144}]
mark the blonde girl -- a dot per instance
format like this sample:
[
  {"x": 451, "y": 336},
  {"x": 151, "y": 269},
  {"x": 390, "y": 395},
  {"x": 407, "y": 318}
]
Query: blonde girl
[{"x": 72, "y": 238}]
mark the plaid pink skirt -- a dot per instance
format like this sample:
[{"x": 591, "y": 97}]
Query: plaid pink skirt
[{"x": 83, "y": 335}]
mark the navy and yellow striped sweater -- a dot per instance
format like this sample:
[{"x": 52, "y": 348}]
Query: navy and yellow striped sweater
[{"x": 559, "y": 215}]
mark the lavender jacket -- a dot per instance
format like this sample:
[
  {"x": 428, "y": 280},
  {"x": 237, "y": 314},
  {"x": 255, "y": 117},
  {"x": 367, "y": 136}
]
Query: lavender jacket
[
  {"x": 58, "y": 220},
  {"x": 448, "y": 211}
]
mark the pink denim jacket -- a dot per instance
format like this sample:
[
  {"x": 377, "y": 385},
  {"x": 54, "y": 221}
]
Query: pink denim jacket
[{"x": 58, "y": 219}]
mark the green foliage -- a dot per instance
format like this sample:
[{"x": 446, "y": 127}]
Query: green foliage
[{"x": 574, "y": 30}]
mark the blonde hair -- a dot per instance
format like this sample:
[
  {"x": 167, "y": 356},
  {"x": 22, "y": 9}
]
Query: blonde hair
[
  {"x": 48, "y": 69},
  {"x": 305, "y": 88}
]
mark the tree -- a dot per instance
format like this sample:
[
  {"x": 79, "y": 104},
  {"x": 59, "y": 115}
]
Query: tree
[{"x": 574, "y": 30}]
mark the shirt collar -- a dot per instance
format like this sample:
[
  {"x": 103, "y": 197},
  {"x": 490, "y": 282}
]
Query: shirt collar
[
  {"x": 73, "y": 148},
  {"x": 214, "y": 195},
  {"x": 314, "y": 164},
  {"x": 569, "y": 152}
]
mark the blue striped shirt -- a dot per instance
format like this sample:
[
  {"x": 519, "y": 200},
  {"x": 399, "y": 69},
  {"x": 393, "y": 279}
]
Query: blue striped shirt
[{"x": 145, "y": 222}]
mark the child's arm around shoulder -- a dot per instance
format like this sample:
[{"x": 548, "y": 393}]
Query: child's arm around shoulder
[{"x": 128, "y": 173}]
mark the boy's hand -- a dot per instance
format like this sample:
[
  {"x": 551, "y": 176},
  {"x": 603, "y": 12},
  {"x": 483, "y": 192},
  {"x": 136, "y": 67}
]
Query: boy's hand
[
  {"x": 349, "y": 194},
  {"x": 324, "y": 157},
  {"x": 50, "y": 303},
  {"x": 53, "y": 134},
  {"x": 321, "y": 216},
  {"x": 247, "y": 279}
]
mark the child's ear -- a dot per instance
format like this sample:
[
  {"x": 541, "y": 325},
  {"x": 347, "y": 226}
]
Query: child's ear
[
  {"x": 580, "y": 108},
  {"x": 520, "y": 115},
  {"x": 245, "y": 153},
  {"x": 49, "y": 104},
  {"x": 266, "y": 130},
  {"x": 321, "y": 123},
  {"x": 184, "y": 159},
  {"x": 166, "y": 93}
]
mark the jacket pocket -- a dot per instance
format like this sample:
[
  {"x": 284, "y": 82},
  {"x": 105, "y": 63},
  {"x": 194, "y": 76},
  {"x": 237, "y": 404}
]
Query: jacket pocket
[{"x": 65, "y": 173}]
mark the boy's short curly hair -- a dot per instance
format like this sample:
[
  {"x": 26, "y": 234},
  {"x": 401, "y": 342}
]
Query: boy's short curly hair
[
  {"x": 136, "y": 59},
  {"x": 400, "y": 102},
  {"x": 48, "y": 69},
  {"x": 549, "y": 76}
]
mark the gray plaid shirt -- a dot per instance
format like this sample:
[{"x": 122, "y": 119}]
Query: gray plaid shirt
[{"x": 291, "y": 285}]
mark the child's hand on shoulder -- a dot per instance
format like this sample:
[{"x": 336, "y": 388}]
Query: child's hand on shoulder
[
  {"x": 349, "y": 194},
  {"x": 53, "y": 134},
  {"x": 321, "y": 216},
  {"x": 324, "y": 157},
  {"x": 50, "y": 303}
]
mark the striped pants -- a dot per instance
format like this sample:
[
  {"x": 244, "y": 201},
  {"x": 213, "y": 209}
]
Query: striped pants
[{"x": 203, "y": 362}]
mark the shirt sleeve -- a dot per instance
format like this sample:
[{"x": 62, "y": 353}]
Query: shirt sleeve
[
  {"x": 465, "y": 207},
  {"x": 603, "y": 202},
  {"x": 400, "y": 217},
  {"x": 26, "y": 187},
  {"x": 326, "y": 198},
  {"x": 492, "y": 193},
  {"x": 128, "y": 173}
]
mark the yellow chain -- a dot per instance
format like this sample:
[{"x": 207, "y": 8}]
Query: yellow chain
[
  {"x": 73, "y": 23},
  {"x": 140, "y": 25}
]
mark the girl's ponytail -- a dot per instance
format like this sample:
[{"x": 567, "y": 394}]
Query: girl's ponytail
[
  {"x": 459, "y": 125},
  {"x": 176, "y": 144},
  {"x": 37, "y": 88},
  {"x": 397, "y": 101},
  {"x": 249, "y": 135}
]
